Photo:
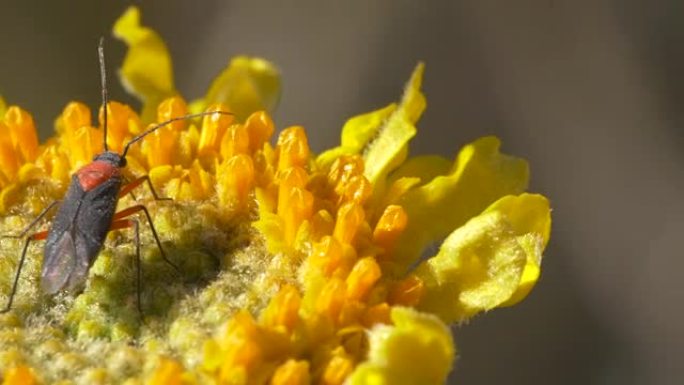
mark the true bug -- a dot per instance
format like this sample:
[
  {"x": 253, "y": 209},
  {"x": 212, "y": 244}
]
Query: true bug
[{"x": 88, "y": 212}]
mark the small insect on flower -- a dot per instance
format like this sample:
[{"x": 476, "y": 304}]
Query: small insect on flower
[{"x": 88, "y": 212}]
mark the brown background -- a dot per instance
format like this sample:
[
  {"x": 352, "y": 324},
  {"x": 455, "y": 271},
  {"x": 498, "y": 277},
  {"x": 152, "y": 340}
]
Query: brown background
[{"x": 589, "y": 91}]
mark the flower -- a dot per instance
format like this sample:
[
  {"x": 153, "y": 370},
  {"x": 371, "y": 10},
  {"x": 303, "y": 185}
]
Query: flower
[{"x": 296, "y": 268}]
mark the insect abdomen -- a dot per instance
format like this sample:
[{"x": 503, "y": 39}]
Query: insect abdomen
[{"x": 77, "y": 234}]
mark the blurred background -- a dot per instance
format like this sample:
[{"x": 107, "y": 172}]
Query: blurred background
[{"x": 590, "y": 92}]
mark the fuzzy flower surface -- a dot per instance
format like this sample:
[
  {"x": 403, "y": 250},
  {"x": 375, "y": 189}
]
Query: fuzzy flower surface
[{"x": 295, "y": 267}]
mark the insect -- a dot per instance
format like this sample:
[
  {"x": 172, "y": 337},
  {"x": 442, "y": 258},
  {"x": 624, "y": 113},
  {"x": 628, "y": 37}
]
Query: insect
[{"x": 88, "y": 212}]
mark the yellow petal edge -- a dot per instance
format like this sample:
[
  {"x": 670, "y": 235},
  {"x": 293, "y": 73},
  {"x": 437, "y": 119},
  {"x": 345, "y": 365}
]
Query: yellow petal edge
[
  {"x": 382, "y": 135},
  {"x": 147, "y": 71},
  {"x": 416, "y": 349},
  {"x": 246, "y": 85},
  {"x": 480, "y": 175},
  {"x": 492, "y": 260}
]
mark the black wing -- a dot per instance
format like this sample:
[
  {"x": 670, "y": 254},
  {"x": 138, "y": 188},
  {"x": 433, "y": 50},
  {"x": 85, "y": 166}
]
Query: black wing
[{"x": 77, "y": 233}]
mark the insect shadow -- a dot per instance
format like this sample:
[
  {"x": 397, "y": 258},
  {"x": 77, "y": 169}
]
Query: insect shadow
[{"x": 87, "y": 213}]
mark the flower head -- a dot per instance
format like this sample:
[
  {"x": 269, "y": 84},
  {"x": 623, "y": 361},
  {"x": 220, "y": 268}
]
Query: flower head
[{"x": 297, "y": 268}]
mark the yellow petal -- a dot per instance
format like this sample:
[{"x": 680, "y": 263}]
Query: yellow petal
[
  {"x": 147, "y": 71},
  {"x": 425, "y": 167},
  {"x": 383, "y": 133},
  {"x": 417, "y": 349},
  {"x": 530, "y": 212},
  {"x": 480, "y": 176},
  {"x": 480, "y": 265},
  {"x": 357, "y": 132},
  {"x": 360, "y": 130},
  {"x": 247, "y": 85},
  {"x": 3, "y": 106},
  {"x": 389, "y": 149}
]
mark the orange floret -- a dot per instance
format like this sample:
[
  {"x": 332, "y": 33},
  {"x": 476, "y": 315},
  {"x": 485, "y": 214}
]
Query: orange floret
[
  {"x": 260, "y": 128},
  {"x": 19, "y": 375},
  {"x": 349, "y": 218},
  {"x": 362, "y": 278},
  {"x": 283, "y": 310},
  {"x": 292, "y": 372},
  {"x": 169, "y": 372},
  {"x": 293, "y": 148}
]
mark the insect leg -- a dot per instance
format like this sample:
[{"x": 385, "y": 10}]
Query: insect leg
[
  {"x": 34, "y": 221},
  {"x": 126, "y": 182},
  {"x": 127, "y": 223},
  {"x": 34, "y": 237},
  {"x": 134, "y": 209},
  {"x": 127, "y": 188}
]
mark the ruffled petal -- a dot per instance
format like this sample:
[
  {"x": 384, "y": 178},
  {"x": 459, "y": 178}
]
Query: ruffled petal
[
  {"x": 480, "y": 175},
  {"x": 147, "y": 71},
  {"x": 426, "y": 168},
  {"x": 357, "y": 132},
  {"x": 247, "y": 85},
  {"x": 531, "y": 212},
  {"x": 481, "y": 265},
  {"x": 389, "y": 149},
  {"x": 416, "y": 349},
  {"x": 382, "y": 135}
]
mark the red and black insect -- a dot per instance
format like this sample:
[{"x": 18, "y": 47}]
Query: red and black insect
[{"x": 88, "y": 212}]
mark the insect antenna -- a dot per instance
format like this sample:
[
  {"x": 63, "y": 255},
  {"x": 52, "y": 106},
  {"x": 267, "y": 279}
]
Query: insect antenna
[
  {"x": 162, "y": 124},
  {"x": 103, "y": 83}
]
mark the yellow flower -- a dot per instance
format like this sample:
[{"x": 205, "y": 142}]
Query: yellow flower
[{"x": 296, "y": 268}]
